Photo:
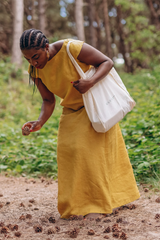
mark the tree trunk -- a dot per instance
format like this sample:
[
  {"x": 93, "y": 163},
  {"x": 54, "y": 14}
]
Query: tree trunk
[
  {"x": 122, "y": 47},
  {"x": 33, "y": 14},
  {"x": 42, "y": 15},
  {"x": 98, "y": 32},
  {"x": 107, "y": 28},
  {"x": 155, "y": 15},
  {"x": 29, "y": 9},
  {"x": 92, "y": 31},
  {"x": 18, "y": 10},
  {"x": 79, "y": 19}
]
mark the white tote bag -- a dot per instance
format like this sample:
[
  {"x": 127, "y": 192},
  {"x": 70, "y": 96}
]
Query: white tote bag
[{"x": 108, "y": 101}]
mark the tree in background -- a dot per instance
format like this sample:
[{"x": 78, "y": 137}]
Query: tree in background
[
  {"x": 130, "y": 29},
  {"x": 79, "y": 19},
  {"x": 98, "y": 30},
  {"x": 107, "y": 29},
  {"x": 42, "y": 16},
  {"x": 30, "y": 14},
  {"x": 6, "y": 26},
  {"x": 141, "y": 39},
  {"x": 122, "y": 45},
  {"x": 154, "y": 7},
  {"x": 91, "y": 16},
  {"x": 18, "y": 11},
  {"x": 60, "y": 19}
]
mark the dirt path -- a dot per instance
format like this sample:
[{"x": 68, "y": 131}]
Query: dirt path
[{"x": 27, "y": 206}]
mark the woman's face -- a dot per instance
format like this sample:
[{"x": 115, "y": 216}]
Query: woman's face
[{"x": 37, "y": 58}]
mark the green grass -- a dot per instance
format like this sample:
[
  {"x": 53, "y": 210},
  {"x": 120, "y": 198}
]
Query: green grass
[
  {"x": 141, "y": 127},
  {"x": 35, "y": 155}
]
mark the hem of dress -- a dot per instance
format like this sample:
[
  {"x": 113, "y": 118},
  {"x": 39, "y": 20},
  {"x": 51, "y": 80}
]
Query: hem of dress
[{"x": 119, "y": 204}]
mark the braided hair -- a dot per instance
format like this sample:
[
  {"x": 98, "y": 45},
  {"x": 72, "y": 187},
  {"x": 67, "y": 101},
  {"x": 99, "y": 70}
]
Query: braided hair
[{"x": 33, "y": 38}]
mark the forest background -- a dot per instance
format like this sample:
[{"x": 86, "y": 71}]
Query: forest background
[{"x": 128, "y": 31}]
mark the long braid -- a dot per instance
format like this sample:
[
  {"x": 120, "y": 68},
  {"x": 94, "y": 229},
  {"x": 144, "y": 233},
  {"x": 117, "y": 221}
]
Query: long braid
[{"x": 33, "y": 38}]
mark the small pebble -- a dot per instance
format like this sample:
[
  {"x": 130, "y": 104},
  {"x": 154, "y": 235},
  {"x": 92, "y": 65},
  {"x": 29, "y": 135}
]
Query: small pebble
[
  {"x": 158, "y": 200},
  {"x": 146, "y": 190},
  {"x": 91, "y": 232},
  {"x": 26, "y": 131}
]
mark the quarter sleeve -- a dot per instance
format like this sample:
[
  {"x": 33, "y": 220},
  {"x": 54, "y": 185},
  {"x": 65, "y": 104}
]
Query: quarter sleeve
[{"x": 75, "y": 48}]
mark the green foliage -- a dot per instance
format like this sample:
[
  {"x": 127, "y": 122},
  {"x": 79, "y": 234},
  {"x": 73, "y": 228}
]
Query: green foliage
[
  {"x": 57, "y": 26},
  {"x": 141, "y": 127},
  {"x": 123, "y": 3},
  {"x": 33, "y": 155},
  {"x": 9, "y": 71},
  {"x": 36, "y": 153},
  {"x": 142, "y": 39}
]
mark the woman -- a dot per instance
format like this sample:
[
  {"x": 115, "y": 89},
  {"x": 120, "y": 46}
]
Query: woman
[{"x": 94, "y": 172}]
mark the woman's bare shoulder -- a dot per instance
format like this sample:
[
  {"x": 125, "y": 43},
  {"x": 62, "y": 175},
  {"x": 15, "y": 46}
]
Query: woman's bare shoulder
[
  {"x": 55, "y": 47},
  {"x": 58, "y": 45}
]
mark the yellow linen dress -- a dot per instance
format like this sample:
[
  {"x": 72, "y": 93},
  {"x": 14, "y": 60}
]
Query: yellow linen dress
[{"x": 94, "y": 170}]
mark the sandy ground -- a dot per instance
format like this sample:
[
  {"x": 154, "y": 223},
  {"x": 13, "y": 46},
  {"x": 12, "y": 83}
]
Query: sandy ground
[{"x": 28, "y": 210}]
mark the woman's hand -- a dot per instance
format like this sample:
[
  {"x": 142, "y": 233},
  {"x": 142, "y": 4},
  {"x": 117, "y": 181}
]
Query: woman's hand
[
  {"x": 82, "y": 85},
  {"x": 48, "y": 105},
  {"x": 33, "y": 126}
]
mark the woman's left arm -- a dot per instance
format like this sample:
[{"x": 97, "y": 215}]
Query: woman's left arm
[{"x": 92, "y": 56}]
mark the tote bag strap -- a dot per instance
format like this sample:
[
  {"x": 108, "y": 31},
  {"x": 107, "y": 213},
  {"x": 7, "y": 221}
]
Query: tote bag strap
[
  {"x": 82, "y": 74},
  {"x": 78, "y": 68}
]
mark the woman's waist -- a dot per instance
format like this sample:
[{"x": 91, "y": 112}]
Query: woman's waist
[{"x": 67, "y": 110}]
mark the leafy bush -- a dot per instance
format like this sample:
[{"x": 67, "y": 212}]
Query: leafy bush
[
  {"x": 141, "y": 127},
  {"x": 36, "y": 154}
]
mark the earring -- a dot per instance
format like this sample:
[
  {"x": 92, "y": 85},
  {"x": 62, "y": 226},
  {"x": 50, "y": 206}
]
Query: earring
[{"x": 48, "y": 55}]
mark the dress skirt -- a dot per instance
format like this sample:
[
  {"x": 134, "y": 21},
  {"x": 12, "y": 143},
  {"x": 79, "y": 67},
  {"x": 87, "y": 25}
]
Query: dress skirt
[{"x": 94, "y": 171}]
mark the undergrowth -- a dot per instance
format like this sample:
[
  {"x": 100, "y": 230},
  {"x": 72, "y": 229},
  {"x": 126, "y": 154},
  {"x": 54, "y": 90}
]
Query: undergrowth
[
  {"x": 141, "y": 127},
  {"x": 36, "y": 154}
]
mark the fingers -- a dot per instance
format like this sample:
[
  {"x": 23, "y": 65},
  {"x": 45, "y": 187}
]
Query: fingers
[
  {"x": 80, "y": 85},
  {"x": 33, "y": 126},
  {"x": 28, "y": 124},
  {"x": 75, "y": 82}
]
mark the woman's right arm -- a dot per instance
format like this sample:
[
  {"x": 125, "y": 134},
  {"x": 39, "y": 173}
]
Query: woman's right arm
[{"x": 48, "y": 106}]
